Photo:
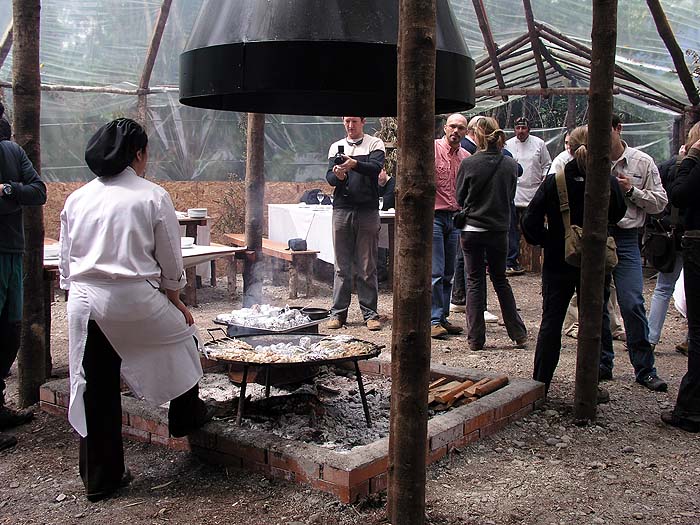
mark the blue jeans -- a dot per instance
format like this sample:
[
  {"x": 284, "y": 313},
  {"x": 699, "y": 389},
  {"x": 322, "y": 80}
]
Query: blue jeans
[
  {"x": 665, "y": 284},
  {"x": 445, "y": 242},
  {"x": 629, "y": 283},
  {"x": 514, "y": 236}
]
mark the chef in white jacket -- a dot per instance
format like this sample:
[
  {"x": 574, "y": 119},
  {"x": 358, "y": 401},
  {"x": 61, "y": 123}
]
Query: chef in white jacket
[{"x": 120, "y": 244}]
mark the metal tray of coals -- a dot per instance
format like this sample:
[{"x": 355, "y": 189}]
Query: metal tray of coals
[
  {"x": 239, "y": 330},
  {"x": 271, "y": 339}
]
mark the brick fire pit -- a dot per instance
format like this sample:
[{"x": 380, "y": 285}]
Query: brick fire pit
[{"x": 349, "y": 475}]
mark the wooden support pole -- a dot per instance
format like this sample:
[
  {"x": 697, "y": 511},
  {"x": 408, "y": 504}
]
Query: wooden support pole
[
  {"x": 254, "y": 199},
  {"x": 595, "y": 221},
  {"x": 415, "y": 193},
  {"x": 666, "y": 34},
  {"x": 504, "y": 50},
  {"x": 151, "y": 55},
  {"x": 31, "y": 361},
  {"x": 490, "y": 44},
  {"x": 535, "y": 42}
]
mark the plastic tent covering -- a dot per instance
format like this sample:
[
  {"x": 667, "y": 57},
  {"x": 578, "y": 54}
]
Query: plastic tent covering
[{"x": 104, "y": 43}]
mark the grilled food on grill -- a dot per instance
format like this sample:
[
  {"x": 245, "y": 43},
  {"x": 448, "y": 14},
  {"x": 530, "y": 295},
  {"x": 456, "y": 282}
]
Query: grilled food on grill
[{"x": 301, "y": 351}]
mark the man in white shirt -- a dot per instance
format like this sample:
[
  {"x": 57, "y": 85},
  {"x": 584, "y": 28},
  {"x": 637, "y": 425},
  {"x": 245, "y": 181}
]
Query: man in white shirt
[
  {"x": 531, "y": 153},
  {"x": 639, "y": 180}
]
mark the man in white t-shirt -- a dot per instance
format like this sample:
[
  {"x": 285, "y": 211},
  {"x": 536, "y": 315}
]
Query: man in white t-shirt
[{"x": 531, "y": 153}]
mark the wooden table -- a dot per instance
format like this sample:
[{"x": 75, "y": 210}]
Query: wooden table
[
  {"x": 191, "y": 257},
  {"x": 190, "y": 225}
]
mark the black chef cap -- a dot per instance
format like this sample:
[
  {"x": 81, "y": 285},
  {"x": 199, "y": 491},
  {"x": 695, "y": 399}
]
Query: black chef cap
[{"x": 114, "y": 147}]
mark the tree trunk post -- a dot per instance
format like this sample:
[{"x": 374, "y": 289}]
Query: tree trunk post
[
  {"x": 26, "y": 85},
  {"x": 415, "y": 191},
  {"x": 595, "y": 223},
  {"x": 254, "y": 199}
]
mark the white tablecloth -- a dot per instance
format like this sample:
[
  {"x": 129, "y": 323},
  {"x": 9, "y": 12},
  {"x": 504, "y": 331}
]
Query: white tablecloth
[{"x": 313, "y": 223}]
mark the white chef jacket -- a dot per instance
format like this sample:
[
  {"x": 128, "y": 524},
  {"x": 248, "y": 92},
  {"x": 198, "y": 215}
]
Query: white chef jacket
[
  {"x": 533, "y": 156},
  {"x": 120, "y": 240},
  {"x": 560, "y": 161}
]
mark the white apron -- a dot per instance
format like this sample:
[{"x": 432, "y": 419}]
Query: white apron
[{"x": 159, "y": 354}]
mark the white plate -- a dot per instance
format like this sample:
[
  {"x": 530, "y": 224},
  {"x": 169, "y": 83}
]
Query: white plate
[
  {"x": 187, "y": 247},
  {"x": 51, "y": 257}
]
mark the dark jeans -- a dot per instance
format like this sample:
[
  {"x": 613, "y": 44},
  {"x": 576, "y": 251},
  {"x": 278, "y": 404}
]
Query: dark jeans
[
  {"x": 10, "y": 314},
  {"x": 629, "y": 283},
  {"x": 514, "y": 236},
  {"x": 491, "y": 247},
  {"x": 9, "y": 346},
  {"x": 445, "y": 246},
  {"x": 355, "y": 239},
  {"x": 557, "y": 290},
  {"x": 688, "y": 402},
  {"x": 101, "y": 457}
]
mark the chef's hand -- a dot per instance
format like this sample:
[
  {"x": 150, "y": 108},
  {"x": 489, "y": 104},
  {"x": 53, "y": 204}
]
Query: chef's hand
[{"x": 174, "y": 297}]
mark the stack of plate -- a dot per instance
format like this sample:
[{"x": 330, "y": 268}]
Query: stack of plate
[
  {"x": 51, "y": 251},
  {"x": 197, "y": 213},
  {"x": 186, "y": 242}
]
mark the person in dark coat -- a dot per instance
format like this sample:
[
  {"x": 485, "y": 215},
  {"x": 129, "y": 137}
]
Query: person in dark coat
[
  {"x": 684, "y": 192},
  {"x": 542, "y": 225}
]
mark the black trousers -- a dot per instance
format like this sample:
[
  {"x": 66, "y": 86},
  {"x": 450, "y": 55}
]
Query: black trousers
[
  {"x": 9, "y": 346},
  {"x": 557, "y": 291},
  {"x": 688, "y": 402},
  {"x": 101, "y": 451}
]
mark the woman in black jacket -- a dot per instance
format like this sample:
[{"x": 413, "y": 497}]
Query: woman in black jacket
[
  {"x": 542, "y": 225},
  {"x": 684, "y": 193},
  {"x": 486, "y": 184}
]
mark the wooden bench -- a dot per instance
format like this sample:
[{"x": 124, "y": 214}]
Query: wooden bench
[{"x": 298, "y": 261}]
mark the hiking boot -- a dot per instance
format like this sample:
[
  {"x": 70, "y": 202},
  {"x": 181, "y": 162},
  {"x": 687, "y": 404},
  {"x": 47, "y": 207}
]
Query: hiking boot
[
  {"x": 684, "y": 424},
  {"x": 489, "y": 317},
  {"x": 521, "y": 342},
  {"x": 334, "y": 324},
  {"x": 452, "y": 329},
  {"x": 438, "y": 331},
  {"x": 515, "y": 270},
  {"x": 654, "y": 383},
  {"x": 682, "y": 348},
  {"x": 374, "y": 325},
  {"x": 457, "y": 308},
  {"x": 604, "y": 374},
  {"x": 180, "y": 431},
  {"x": 7, "y": 441},
  {"x": 10, "y": 418}
]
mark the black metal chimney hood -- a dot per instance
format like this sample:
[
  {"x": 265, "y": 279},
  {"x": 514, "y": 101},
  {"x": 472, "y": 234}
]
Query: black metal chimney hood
[{"x": 312, "y": 57}]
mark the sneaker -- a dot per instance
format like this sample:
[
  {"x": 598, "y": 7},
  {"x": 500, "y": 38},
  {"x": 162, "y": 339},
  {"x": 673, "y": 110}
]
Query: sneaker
[
  {"x": 620, "y": 336},
  {"x": 7, "y": 441},
  {"x": 654, "y": 383},
  {"x": 10, "y": 418},
  {"x": 684, "y": 424},
  {"x": 515, "y": 270},
  {"x": 682, "y": 348},
  {"x": 475, "y": 347},
  {"x": 458, "y": 308},
  {"x": 603, "y": 396},
  {"x": 334, "y": 324},
  {"x": 572, "y": 331},
  {"x": 452, "y": 329},
  {"x": 521, "y": 342},
  {"x": 374, "y": 325},
  {"x": 437, "y": 331},
  {"x": 489, "y": 317}
]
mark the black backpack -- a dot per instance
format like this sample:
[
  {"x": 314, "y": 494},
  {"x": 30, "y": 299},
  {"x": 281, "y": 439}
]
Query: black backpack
[{"x": 311, "y": 197}]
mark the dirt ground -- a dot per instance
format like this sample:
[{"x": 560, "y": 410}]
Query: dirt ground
[{"x": 627, "y": 468}]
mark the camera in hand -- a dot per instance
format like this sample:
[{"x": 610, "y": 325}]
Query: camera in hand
[{"x": 340, "y": 156}]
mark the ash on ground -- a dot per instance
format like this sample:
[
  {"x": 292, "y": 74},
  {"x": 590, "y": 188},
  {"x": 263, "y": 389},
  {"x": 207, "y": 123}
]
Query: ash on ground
[{"x": 325, "y": 410}]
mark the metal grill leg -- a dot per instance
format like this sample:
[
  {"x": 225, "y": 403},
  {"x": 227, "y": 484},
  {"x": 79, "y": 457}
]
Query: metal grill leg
[
  {"x": 362, "y": 394},
  {"x": 241, "y": 397},
  {"x": 267, "y": 382}
]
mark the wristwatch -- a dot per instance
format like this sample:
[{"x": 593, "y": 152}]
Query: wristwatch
[
  {"x": 6, "y": 189},
  {"x": 629, "y": 192}
]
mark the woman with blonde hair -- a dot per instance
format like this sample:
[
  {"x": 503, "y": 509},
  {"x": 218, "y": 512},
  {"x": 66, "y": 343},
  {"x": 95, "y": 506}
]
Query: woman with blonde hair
[
  {"x": 542, "y": 225},
  {"x": 666, "y": 281},
  {"x": 486, "y": 184}
]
